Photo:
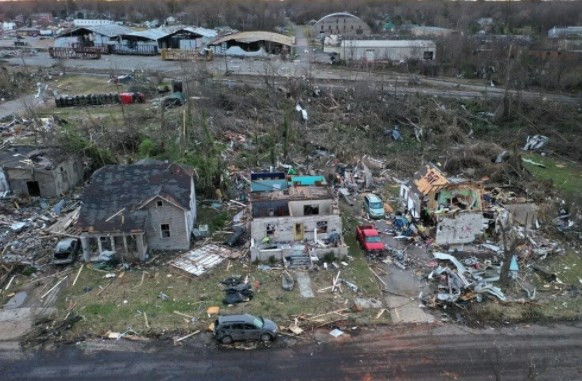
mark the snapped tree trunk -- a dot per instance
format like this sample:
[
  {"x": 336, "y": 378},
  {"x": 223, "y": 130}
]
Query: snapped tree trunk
[{"x": 507, "y": 254}]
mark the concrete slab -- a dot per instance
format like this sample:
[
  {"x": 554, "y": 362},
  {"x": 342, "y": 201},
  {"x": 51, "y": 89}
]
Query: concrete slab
[
  {"x": 304, "y": 282},
  {"x": 17, "y": 300},
  {"x": 16, "y": 322},
  {"x": 368, "y": 303},
  {"x": 405, "y": 310}
]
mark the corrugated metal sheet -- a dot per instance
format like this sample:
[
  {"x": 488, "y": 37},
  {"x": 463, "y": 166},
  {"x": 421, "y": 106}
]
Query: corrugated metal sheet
[
  {"x": 198, "y": 261},
  {"x": 152, "y": 34},
  {"x": 112, "y": 30},
  {"x": 202, "y": 31}
]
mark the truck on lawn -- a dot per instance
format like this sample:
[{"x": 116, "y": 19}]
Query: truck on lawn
[{"x": 370, "y": 240}]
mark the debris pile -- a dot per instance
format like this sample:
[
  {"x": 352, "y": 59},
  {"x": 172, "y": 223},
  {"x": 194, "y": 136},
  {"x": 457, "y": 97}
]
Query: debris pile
[
  {"x": 465, "y": 282},
  {"x": 237, "y": 290},
  {"x": 23, "y": 227}
]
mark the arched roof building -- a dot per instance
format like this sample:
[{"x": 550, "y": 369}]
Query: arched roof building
[{"x": 342, "y": 23}]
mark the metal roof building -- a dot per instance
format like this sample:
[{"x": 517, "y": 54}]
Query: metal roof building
[
  {"x": 386, "y": 50},
  {"x": 254, "y": 43},
  {"x": 342, "y": 23}
]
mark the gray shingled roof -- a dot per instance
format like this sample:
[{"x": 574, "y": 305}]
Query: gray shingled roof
[{"x": 119, "y": 190}]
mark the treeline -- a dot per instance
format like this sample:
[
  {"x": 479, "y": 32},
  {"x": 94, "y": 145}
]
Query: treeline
[{"x": 508, "y": 16}]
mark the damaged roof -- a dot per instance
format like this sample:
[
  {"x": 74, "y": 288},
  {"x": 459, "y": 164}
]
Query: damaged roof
[
  {"x": 429, "y": 179},
  {"x": 294, "y": 193},
  {"x": 157, "y": 34},
  {"x": 250, "y": 37},
  {"x": 109, "y": 30},
  {"x": 31, "y": 157},
  {"x": 114, "y": 198}
]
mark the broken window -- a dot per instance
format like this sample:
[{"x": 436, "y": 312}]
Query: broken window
[
  {"x": 321, "y": 226},
  {"x": 310, "y": 210},
  {"x": 106, "y": 244},
  {"x": 165, "y": 230},
  {"x": 428, "y": 55},
  {"x": 270, "y": 229},
  {"x": 159, "y": 203}
]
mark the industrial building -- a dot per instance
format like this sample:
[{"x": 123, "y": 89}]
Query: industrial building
[
  {"x": 255, "y": 43},
  {"x": 92, "y": 36},
  {"x": 185, "y": 38},
  {"x": 342, "y": 23},
  {"x": 384, "y": 50}
]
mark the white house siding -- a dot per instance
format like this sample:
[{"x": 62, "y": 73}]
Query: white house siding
[
  {"x": 284, "y": 227},
  {"x": 166, "y": 214}
]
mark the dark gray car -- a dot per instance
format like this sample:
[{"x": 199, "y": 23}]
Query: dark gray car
[
  {"x": 231, "y": 328},
  {"x": 66, "y": 251}
]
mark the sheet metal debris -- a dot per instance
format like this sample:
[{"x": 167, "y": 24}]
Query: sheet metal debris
[{"x": 202, "y": 259}]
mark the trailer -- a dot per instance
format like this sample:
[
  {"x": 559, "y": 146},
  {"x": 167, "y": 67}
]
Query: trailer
[
  {"x": 186, "y": 55},
  {"x": 99, "y": 99},
  {"x": 75, "y": 53}
]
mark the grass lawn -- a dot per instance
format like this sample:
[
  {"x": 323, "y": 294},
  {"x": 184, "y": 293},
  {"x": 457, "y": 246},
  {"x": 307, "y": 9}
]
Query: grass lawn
[
  {"x": 566, "y": 176},
  {"x": 120, "y": 303},
  {"x": 555, "y": 301},
  {"x": 79, "y": 85}
]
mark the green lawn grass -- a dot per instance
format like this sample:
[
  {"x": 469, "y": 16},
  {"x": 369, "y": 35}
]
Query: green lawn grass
[{"x": 566, "y": 176}]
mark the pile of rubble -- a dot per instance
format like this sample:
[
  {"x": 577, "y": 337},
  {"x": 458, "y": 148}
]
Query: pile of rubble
[{"x": 23, "y": 226}]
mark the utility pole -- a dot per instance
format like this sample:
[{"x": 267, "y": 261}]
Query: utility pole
[{"x": 225, "y": 58}]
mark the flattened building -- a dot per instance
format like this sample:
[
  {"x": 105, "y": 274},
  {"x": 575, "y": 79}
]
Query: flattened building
[
  {"x": 342, "y": 23},
  {"x": 131, "y": 209}
]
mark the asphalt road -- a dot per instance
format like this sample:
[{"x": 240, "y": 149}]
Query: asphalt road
[
  {"x": 251, "y": 69},
  {"x": 400, "y": 353}
]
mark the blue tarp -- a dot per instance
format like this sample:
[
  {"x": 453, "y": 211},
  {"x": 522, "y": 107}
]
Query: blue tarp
[
  {"x": 268, "y": 185},
  {"x": 308, "y": 180}
]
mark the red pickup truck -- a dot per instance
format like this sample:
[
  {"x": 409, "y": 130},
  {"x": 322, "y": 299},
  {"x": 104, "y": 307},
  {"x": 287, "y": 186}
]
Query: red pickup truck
[{"x": 369, "y": 239}]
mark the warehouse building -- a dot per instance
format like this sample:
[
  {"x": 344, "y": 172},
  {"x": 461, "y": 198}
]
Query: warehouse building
[
  {"x": 342, "y": 23},
  {"x": 384, "y": 50}
]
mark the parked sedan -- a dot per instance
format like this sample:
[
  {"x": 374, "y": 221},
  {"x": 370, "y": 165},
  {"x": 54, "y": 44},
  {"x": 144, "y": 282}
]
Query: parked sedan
[{"x": 229, "y": 328}]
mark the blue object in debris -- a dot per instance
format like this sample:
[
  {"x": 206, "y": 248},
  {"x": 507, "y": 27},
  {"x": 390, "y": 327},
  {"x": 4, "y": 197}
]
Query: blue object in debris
[
  {"x": 59, "y": 207},
  {"x": 400, "y": 222},
  {"x": 396, "y": 134},
  {"x": 513, "y": 266}
]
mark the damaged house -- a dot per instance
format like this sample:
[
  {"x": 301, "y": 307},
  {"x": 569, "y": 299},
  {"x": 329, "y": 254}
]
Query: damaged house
[
  {"x": 38, "y": 172},
  {"x": 289, "y": 219},
  {"x": 131, "y": 209},
  {"x": 454, "y": 204}
]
